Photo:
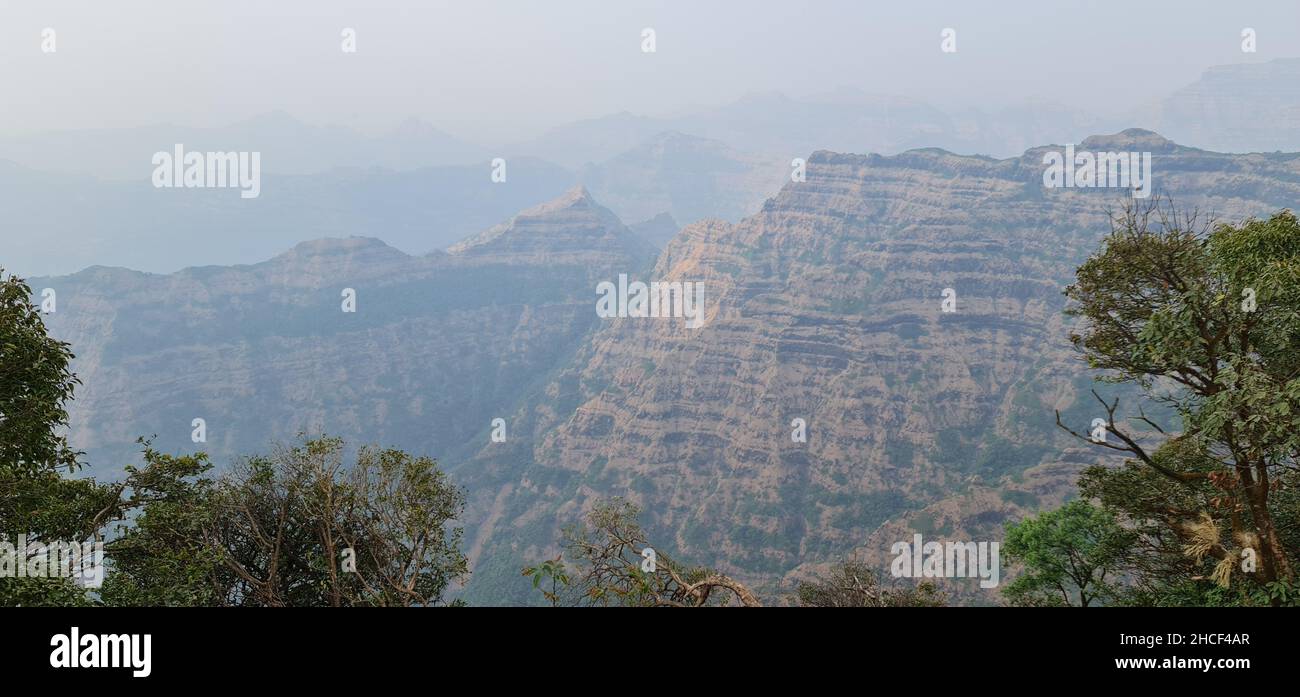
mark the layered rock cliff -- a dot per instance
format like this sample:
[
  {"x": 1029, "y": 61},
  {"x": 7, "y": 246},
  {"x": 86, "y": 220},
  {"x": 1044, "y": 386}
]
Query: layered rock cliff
[{"x": 827, "y": 306}]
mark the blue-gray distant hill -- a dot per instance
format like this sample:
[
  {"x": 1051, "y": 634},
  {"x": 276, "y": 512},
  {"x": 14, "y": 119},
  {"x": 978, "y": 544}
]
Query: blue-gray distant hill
[{"x": 56, "y": 223}]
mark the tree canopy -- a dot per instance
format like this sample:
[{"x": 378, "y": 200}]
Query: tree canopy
[
  {"x": 1203, "y": 320},
  {"x": 295, "y": 527}
]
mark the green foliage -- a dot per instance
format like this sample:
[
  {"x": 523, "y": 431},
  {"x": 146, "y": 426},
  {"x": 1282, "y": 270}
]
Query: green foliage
[
  {"x": 552, "y": 571},
  {"x": 1283, "y": 593},
  {"x": 1073, "y": 555},
  {"x": 1206, "y": 322},
  {"x": 1161, "y": 510},
  {"x": 35, "y": 385},
  {"x": 36, "y": 499},
  {"x": 298, "y": 528},
  {"x": 162, "y": 557}
]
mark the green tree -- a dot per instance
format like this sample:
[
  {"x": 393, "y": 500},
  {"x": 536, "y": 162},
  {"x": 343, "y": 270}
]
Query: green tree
[
  {"x": 298, "y": 528},
  {"x": 1205, "y": 321},
  {"x": 36, "y": 499},
  {"x": 1074, "y": 555},
  {"x": 163, "y": 555},
  {"x": 35, "y": 386},
  {"x": 1167, "y": 566},
  {"x": 293, "y": 528}
]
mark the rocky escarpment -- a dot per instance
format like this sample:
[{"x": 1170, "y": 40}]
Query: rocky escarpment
[
  {"x": 437, "y": 347},
  {"x": 827, "y": 307}
]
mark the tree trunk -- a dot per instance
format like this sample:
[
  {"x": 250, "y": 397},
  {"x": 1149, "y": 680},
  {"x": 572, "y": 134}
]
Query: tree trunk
[{"x": 1276, "y": 564}]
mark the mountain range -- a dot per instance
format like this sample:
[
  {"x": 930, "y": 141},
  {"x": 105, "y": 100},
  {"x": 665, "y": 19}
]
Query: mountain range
[
  {"x": 77, "y": 198},
  {"x": 825, "y": 305},
  {"x": 64, "y": 222}
]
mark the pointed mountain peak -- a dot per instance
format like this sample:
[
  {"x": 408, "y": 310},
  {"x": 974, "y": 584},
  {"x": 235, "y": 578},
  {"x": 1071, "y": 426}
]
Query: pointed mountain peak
[
  {"x": 578, "y": 194},
  {"x": 573, "y": 201},
  {"x": 576, "y": 197},
  {"x": 573, "y": 223}
]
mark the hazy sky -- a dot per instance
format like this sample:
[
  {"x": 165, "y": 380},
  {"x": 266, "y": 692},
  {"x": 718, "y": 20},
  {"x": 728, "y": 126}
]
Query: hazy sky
[{"x": 496, "y": 71}]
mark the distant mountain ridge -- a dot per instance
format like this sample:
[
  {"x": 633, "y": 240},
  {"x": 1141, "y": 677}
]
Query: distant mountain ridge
[
  {"x": 1249, "y": 107},
  {"x": 421, "y": 189},
  {"x": 291, "y": 147},
  {"x": 64, "y": 222},
  {"x": 68, "y": 221},
  {"x": 1240, "y": 107},
  {"x": 777, "y": 126}
]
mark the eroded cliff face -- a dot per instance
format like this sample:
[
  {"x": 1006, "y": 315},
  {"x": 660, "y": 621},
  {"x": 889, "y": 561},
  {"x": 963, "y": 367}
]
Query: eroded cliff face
[
  {"x": 827, "y": 306},
  {"x": 438, "y": 346}
]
